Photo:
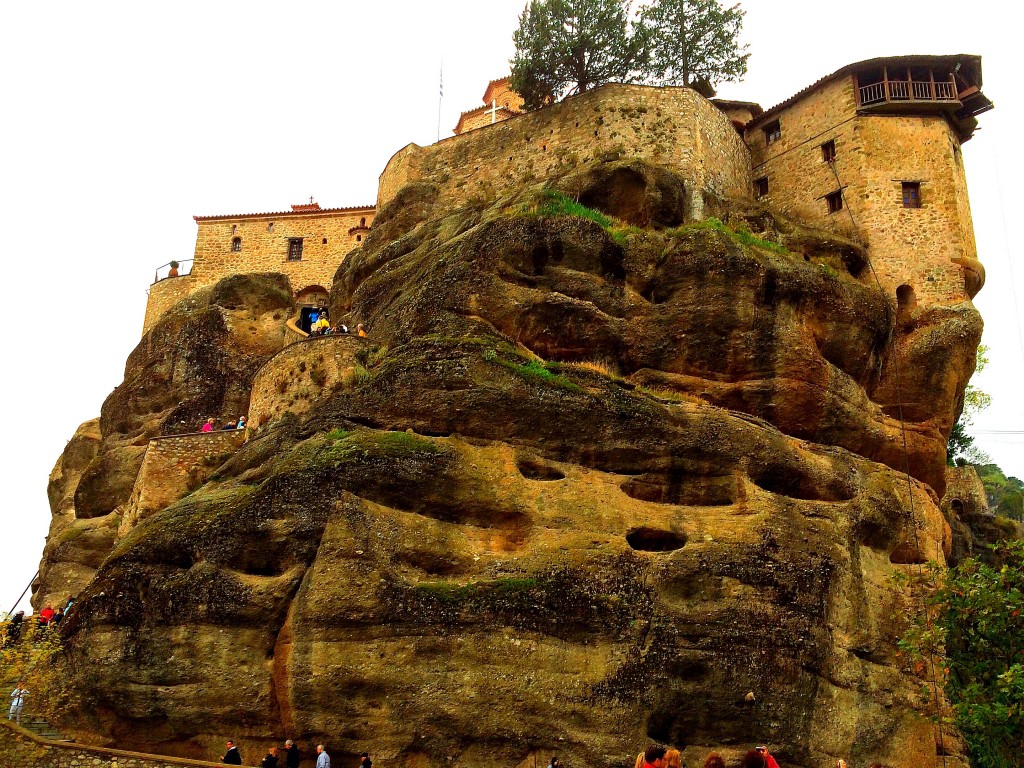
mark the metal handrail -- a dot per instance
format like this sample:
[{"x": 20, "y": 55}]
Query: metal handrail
[{"x": 184, "y": 268}]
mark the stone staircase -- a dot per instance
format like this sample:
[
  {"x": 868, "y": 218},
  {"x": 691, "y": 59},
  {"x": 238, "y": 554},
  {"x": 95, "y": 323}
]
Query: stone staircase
[{"x": 41, "y": 728}]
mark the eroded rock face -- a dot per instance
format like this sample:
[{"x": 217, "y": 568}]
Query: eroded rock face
[
  {"x": 197, "y": 362},
  {"x": 582, "y": 488}
]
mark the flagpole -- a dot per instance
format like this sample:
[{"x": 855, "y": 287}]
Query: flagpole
[{"x": 440, "y": 97}]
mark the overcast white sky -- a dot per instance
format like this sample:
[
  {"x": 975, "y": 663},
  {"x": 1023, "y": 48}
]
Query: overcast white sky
[{"x": 122, "y": 120}]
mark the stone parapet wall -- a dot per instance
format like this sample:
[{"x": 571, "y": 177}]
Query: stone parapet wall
[
  {"x": 173, "y": 466},
  {"x": 165, "y": 294},
  {"x": 675, "y": 127},
  {"x": 293, "y": 378},
  {"x": 21, "y": 749}
]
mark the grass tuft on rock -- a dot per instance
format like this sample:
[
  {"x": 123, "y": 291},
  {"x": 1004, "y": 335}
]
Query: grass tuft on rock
[{"x": 742, "y": 235}]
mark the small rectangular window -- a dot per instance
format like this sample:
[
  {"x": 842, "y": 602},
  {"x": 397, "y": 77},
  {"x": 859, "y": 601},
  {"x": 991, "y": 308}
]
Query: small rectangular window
[
  {"x": 772, "y": 132},
  {"x": 761, "y": 187},
  {"x": 835, "y": 201},
  {"x": 828, "y": 151},
  {"x": 294, "y": 249},
  {"x": 911, "y": 194}
]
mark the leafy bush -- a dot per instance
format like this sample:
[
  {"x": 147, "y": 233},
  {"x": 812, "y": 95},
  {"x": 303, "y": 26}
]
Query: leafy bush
[{"x": 974, "y": 621}]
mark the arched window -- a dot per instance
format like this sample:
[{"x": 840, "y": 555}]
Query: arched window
[
  {"x": 270, "y": 227},
  {"x": 236, "y": 244},
  {"x": 362, "y": 222},
  {"x": 905, "y": 298}
]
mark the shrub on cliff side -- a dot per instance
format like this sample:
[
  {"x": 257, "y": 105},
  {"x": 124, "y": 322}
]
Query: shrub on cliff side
[{"x": 975, "y": 619}]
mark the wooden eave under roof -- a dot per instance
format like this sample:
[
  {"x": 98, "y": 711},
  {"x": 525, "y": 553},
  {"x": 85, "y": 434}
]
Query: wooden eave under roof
[
  {"x": 970, "y": 72},
  {"x": 289, "y": 214}
]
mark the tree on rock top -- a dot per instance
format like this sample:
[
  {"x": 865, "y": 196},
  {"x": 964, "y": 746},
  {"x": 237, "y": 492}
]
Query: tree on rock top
[
  {"x": 695, "y": 42},
  {"x": 570, "y": 46}
]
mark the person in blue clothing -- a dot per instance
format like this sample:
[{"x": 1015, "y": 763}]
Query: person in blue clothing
[{"x": 323, "y": 760}]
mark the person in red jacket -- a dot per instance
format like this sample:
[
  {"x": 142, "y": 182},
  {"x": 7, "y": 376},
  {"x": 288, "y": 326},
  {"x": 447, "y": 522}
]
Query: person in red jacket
[
  {"x": 45, "y": 615},
  {"x": 769, "y": 761}
]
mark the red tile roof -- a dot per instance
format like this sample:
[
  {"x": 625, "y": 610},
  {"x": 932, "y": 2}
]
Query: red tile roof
[{"x": 292, "y": 212}]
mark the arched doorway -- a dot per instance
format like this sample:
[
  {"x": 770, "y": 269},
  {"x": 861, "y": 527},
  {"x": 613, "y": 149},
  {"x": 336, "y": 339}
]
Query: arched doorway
[{"x": 310, "y": 300}]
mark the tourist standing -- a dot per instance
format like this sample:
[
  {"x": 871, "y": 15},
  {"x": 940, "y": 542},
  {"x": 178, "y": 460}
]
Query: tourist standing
[
  {"x": 673, "y": 759},
  {"x": 769, "y": 761},
  {"x": 231, "y": 757},
  {"x": 291, "y": 754},
  {"x": 270, "y": 761},
  {"x": 18, "y": 696},
  {"x": 323, "y": 760},
  {"x": 365, "y": 761},
  {"x": 654, "y": 756},
  {"x": 208, "y": 426},
  {"x": 714, "y": 760}
]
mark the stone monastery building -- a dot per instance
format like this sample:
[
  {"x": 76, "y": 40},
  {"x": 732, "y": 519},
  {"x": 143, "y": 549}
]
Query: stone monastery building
[{"x": 872, "y": 151}]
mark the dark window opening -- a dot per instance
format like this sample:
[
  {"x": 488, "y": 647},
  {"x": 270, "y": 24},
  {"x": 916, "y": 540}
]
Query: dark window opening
[
  {"x": 911, "y": 194},
  {"x": 905, "y": 298},
  {"x": 828, "y": 151},
  {"x": 294, "y": 249},
  {"x": 772, "y": 132},
  {"x": 236, "y": 244},
  {"x": 270, "y": 227},
  {"x": 359, "y": 238},
  {"x": 325, "y": 241},
  {"x": 761, "y": 187},
  {"x": 362, "y": 222},
  {"x": 835, "y": 201}
]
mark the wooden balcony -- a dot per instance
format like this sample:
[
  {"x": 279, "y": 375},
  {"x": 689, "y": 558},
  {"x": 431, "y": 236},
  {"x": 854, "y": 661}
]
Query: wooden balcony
[{"x": 916, "y": 92}]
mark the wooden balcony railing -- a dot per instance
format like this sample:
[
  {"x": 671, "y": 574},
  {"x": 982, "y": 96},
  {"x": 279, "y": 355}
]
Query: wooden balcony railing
[{"x": 907, "y": 90}]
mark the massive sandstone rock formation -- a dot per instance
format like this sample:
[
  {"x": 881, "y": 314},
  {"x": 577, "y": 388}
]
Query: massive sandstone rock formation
[{"x": 582, "y": 487}]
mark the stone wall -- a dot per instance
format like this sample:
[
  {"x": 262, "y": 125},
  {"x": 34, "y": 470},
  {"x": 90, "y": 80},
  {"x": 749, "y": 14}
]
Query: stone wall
[
  {"x": 21, "y": 749},
  {"x": 873, "y": 155},
  {"x": 676, "y": 127},
  {"x": 293, "y": 378},
  {"x": 327, "y": 237},
  {"x": 165, "y": 294},
  {"x": 173, "y": 466},
  {"x": 264, "y": 244}
]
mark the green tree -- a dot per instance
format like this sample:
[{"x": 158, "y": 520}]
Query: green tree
[
  {"x": 695, "y": 41},
  {"x": 570, "y": 46},
  {"x": 32, "y": 654},
  {"x": 960, "y": 444},
  {"x": 974, "y": 618}
]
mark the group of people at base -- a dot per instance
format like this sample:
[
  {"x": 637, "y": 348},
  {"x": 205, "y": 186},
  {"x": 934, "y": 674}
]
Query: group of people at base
[
  {"x": 657, "y": 756},
  {"x": 210, "y": 425},
  {"x": 291, "y": 756}
]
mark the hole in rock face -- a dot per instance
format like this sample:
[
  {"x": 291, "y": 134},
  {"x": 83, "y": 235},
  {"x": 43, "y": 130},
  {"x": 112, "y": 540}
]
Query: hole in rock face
[
  {"x": 535, "y": 469},
  {"x": 907, "y": 554},
  {"x": 646, "y": 539},
  {"x": 620, "y": 194},
  {"x": 796, "y": 484},
  {"x": 678, "y": 487}
]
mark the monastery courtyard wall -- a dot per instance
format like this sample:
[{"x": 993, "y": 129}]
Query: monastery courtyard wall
[{"x": 676, "y": 127}]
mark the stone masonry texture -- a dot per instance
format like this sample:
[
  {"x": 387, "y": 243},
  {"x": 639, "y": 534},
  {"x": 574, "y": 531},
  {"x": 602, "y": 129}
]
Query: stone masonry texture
[{"x": 874, "y": 155}]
